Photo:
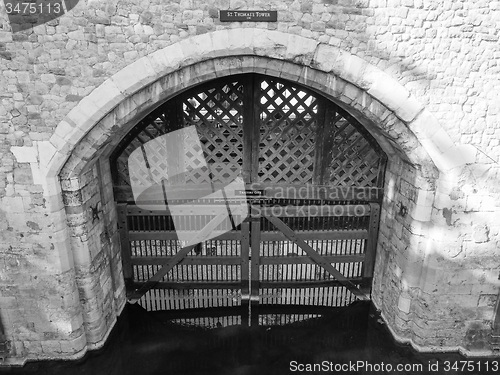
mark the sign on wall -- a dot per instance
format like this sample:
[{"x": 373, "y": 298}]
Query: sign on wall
[{"x": 248, "y": 15}]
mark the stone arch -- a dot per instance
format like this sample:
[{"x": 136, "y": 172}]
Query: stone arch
[
  {"x": 349, "y": 79},
  {"x": 419, "y": 148}
]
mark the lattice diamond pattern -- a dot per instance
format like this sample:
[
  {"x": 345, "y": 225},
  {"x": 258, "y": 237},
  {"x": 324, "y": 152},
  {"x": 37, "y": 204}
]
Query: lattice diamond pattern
[
  {"x": 152, "y": 127},
  {"x": 287, "y": 117},
  {"x": 352, "y": 161},
  {"x": 217, "y": 114},
  {"x": 288, "y": 126}
]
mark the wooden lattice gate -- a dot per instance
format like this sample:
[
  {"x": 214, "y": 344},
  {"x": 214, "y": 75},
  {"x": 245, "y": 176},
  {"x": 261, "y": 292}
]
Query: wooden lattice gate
[{"x": 313, "y": 178}]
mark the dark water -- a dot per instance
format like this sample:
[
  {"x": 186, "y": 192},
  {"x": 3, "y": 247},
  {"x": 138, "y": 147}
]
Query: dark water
[{"x": 344, "y": 340}]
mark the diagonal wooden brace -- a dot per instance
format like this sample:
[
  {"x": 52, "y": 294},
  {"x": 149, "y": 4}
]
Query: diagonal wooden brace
[
  {"x": 172, "y": 262},
  {"x": 318, "y": 259}
]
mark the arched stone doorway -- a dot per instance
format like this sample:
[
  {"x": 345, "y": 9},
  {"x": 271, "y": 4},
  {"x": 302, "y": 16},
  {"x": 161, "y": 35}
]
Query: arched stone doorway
[
  {"x": 313, "y": 178},
  {"x": 77, "y": 154}
]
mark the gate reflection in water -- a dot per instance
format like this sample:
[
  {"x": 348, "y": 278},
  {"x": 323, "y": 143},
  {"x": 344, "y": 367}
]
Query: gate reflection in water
[{"x": 175, "y": 342}]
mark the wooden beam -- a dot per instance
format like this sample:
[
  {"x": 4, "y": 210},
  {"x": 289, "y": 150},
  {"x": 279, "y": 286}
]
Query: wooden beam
[
  {"x": 255, "y": 243},
  {"x": 318, "y": 259},
  {"x": 324, "y": 192},
  {"x": 190, "y": 209},
  {"x": 320, "y": 152},
  {"x": 191, "y": 285},
  {"x": 356, "y": 234},
  {"x": 274, "y": 191},
  {"x": 305, "y": 284},
  {"x": 173, "y": 235},
  {"x": 317, "y": 210},
  {"x": 195, "y": 260},
  {"x": 233, "y": 260},
  {"x": 265, "y": 236},
  {"x": 371, "y": 243},
  {"x": 158, "y": 276},
  {"x": 308, "y": 260},
  {"x": 124, "y": 241},
  {"x": 245, "y": 270}
]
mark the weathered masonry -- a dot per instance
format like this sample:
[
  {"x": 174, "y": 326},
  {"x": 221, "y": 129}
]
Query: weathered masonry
[{"x": 416, "y": 82}]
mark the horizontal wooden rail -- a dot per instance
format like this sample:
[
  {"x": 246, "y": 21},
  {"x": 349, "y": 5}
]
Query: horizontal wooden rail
[
  {"x": 316, "y": 210},
  {"x": 135, "y": 235},
  {"x": 191, "y": 285},
  {"x": 308, "y": 260},
  {"x": 359, "y": 234},
  {"x": 237, "y": 284},
  {"x": 199, "y": 260},
  {"x": 274, "y": 191},
  {"x": 338, "y": 210},
  {"x": 188, "y": 209},
  {"x": 228, "y": 260},
  {"x": 305, "y": 283}
]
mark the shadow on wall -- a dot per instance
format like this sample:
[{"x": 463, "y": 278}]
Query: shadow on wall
[
  {"x": 407, "y": 68},
  {"x": 4, "y": 344},
  {"x": 452, "y": 272}
]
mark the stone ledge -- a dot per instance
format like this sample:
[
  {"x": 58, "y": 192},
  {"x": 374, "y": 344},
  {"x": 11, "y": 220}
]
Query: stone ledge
[{"x": 433, "y": 348}]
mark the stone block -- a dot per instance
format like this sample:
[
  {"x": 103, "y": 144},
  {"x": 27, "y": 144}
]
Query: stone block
[
  {"x": 220, "y": 42},
  {"x": 134, "y": 77},
  {"x": 469, "y": 153},
  {"x": 51, "y": 348},
  {"x": 65, "y": 255},
  {"x": 443, "y": 161},
  {"x": 107, "y": 95},
  {"x": 63, "y": 145},
  {"x": 75, "y": 345},
  {"x": 196, "y": 48},
  {"x": 390, "y": 93},
  {"x": 241, "y": 41},
  {"x": 45, "y": 153},
  {"x": 326, "y": 57},
  {"x": 421, "y": 213},
  {"x": 167, "y": 59},
  {"x": 81, "y": 252},
  {"x": 300, "y": 49},
  {"x": 25, "y": 154},
  {"x": 293, "y": 72},
  {"x": 85, "y": 115},
  {"x": 424, "y": 197},
  {"x": 70, "y": 184},
  {"x": 425, "y": 125},
  {"x": 442, "y": 141},
  {"x": 23, "y": 174},
  {"x": 273, "y": 67},
  {"x": 12, "y": 204},
  {"x": 352, "y": 69}
]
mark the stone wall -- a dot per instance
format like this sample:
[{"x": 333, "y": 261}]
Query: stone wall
[{"x": 386, "y": 60}]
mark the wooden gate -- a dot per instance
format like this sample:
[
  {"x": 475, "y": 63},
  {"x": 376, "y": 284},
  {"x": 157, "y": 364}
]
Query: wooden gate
[{"x": 314, "y": 180}]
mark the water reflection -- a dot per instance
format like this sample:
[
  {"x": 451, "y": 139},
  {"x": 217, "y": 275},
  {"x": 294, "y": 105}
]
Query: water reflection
[{"x": 187, "y": 343}]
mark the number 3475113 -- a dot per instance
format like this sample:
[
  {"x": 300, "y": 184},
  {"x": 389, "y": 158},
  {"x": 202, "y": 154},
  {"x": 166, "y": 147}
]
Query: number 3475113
[{"x": 31, "y": 8}]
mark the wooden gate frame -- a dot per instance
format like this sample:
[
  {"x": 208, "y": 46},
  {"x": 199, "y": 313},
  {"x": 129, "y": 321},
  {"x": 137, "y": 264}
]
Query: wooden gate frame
[
  {"x": 251, "y": 238},
  {"x": 343, "y": 151}
]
